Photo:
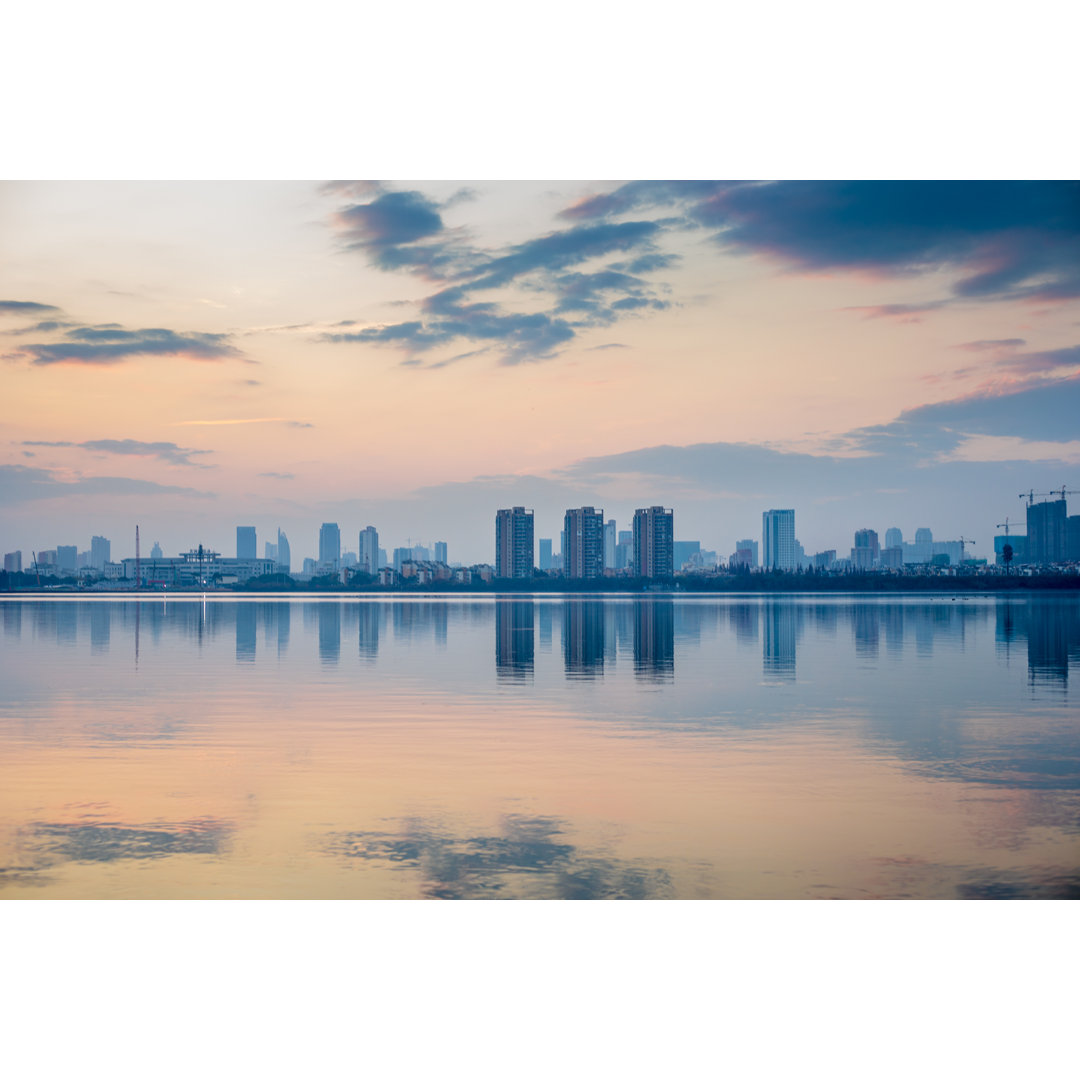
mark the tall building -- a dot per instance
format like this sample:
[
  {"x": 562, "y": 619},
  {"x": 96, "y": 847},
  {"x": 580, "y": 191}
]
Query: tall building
[
  {"x": 1047, "y": 530},
  {"x": 440, "y": 551},
  {"x": 514, "y": 543},
  {"x": 330, "y": 545},
  {"x": 750, "y": 546},
  {"x": 13, "y": 562},
  {"x": 609, "y": 545},
  {"x": 1072, "y": 538},
  {"x": 67, "y": 557},
  {"x": 100, "y": 552},
  {"x": 155, "y": 551},
  {"x": 245, "y": 542},
  {"x": 368, "y": 557},
  {"x": 894, "y": 538},
  {"x": 545, "y": 553},
  {"x": 270, "y": 552},
  {"x": 624, "y": 549},
  {"x": 284, "y": 556},
  {"x": 778, "y": 539},
  {"x": 583, "y": 543},
  {"x": 654, "y": 539},
  {"x": 866, "y": 552},
  {"x": 402, "y": 555}
]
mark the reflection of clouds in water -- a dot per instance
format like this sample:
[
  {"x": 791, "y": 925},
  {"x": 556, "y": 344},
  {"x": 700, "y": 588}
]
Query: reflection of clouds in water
[
  {"x": 527, "y": 858},
  {"x": 51, "y": 843}
]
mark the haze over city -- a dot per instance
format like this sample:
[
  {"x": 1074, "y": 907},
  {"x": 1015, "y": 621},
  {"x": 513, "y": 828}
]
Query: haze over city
[{"x": 192, "y": 356}]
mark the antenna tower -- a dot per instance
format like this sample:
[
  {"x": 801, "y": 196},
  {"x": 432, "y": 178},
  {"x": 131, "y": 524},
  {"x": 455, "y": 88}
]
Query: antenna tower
[{"x": 138, "y": 561}]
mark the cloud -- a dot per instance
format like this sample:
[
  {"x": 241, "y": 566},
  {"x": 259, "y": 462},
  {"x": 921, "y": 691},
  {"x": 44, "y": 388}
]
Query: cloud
[
  {"x": 1000, "y": 239},
  {"x": 164, "y": 451},
  {"x": 26, "y": 307},
  {"x": 109, "y": 343},
  {"x": 279, "y": 475},
  {"x": 404, "y": 230},
  {"x": 23, "y": 483},
  {"x": 245, "y": 420},
  {"x": 984, "y": 346},
  {"x": 905, "y": 313}
]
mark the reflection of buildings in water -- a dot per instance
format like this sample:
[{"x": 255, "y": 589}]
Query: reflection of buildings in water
[
  {"x": 369, "y": 617},
  {"x": 100, "y": 627},
  {"x": 67, "y": 625},
  {"x": 624, "y": 628},
  {"x": 654, "y": 640},
  {"x": 611, "y": 632},
  {"x": 514, "y": 638},
  {"x": 329, "y": 632},
  {"x": 1007, "y": 621},
  {"x": 583, "y": 637},
  {"x": 440, "y": 615},
  {"x": 778, "y": 646},
  {"x": 866, "y": 623},
  {"x": 12, "y": 616},
  {"x": 892, "y": 624},
  {"x": 1053, "y": 639},
  {"x": 826, "y": 619},
  {"x": 545, "y": 614},
  {"x": 245, "y": 632},
  {"x": 744, "y": 619}
]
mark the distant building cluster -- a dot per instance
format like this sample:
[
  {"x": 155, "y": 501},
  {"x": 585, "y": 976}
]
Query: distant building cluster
[{"x": 590, "y": 548}]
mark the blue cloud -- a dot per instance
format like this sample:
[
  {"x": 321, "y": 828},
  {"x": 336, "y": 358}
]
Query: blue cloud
[
  {"x": 1014, "y": 239},
  {"x": 164, "y": 451},
  {"x": 26, "y": 307},
  {"x": 23, "y": 483},
  {"x": 110, "y": 344},
  {"x": 405, "y": 231}
]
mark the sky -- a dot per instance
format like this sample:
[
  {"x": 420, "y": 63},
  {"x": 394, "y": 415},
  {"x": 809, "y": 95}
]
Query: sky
[{"x": 190, "y": 356}]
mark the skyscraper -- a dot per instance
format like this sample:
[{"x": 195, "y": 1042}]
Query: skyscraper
[
  {"x": 866, "y": 552},
  {"x": 654, "y": 535},
  {"x": 609, "y": 545},
  {"x": 100, "y": 552},
  {"x": 66, "y": 556},
  {"x": 778, "y": 539},
  {"x": 514, "y": 543},
  {"x": 1047, "y": 529},
  {"x": 155, "y": 551},
  {"x": 368, "y": 558},
  {"x": 330, "y": 545},
  {"x": 893, "y": 538},
  {"x": 284, "y": 556},
  {"x": 440, "y": 551},
  {"x": 545, "y": 553},
  {"x": 246, "y": 545},
  {"x": 583, "y": 543}
]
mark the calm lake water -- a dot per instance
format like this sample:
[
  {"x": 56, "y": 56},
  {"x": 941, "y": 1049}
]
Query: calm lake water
[{"x": 540, "y": 747}]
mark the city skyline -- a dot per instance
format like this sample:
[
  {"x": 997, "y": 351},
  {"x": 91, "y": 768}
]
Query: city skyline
[
  {"x": 588, "y": 550},
  {"x": 188, "y": 357}
]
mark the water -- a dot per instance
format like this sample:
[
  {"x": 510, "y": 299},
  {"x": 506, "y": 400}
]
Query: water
[{"x": 540, "y": 747}]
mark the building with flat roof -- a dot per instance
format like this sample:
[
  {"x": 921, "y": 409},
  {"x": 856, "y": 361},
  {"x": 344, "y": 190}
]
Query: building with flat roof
[
  {"x": 514, "y": 543},
  {"x": 654, "y": 542},
  {"x": 778, "y": 540},
  {"x": 583, "y": 543},
  {"x": 1047, "y": 527},
  {"x": 368, "y": 558},
  {"x": 330, "y": 546},
  {"x": 246, "y": 544}
]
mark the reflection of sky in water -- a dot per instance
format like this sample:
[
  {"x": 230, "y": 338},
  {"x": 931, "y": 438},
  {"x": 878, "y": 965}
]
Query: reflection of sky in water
[
  {"x": 971, "y": 692},
  {"x": 528, "y": 858}
]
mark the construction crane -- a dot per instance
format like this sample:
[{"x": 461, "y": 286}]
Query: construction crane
[
  {"x": 1004, "y": 525},
  {"x": 962, "y": 543},
  {"x": 1007, "y": 551},
  {"x": 36, "y": 570},
  {"x": 1031, "y": 496}
]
